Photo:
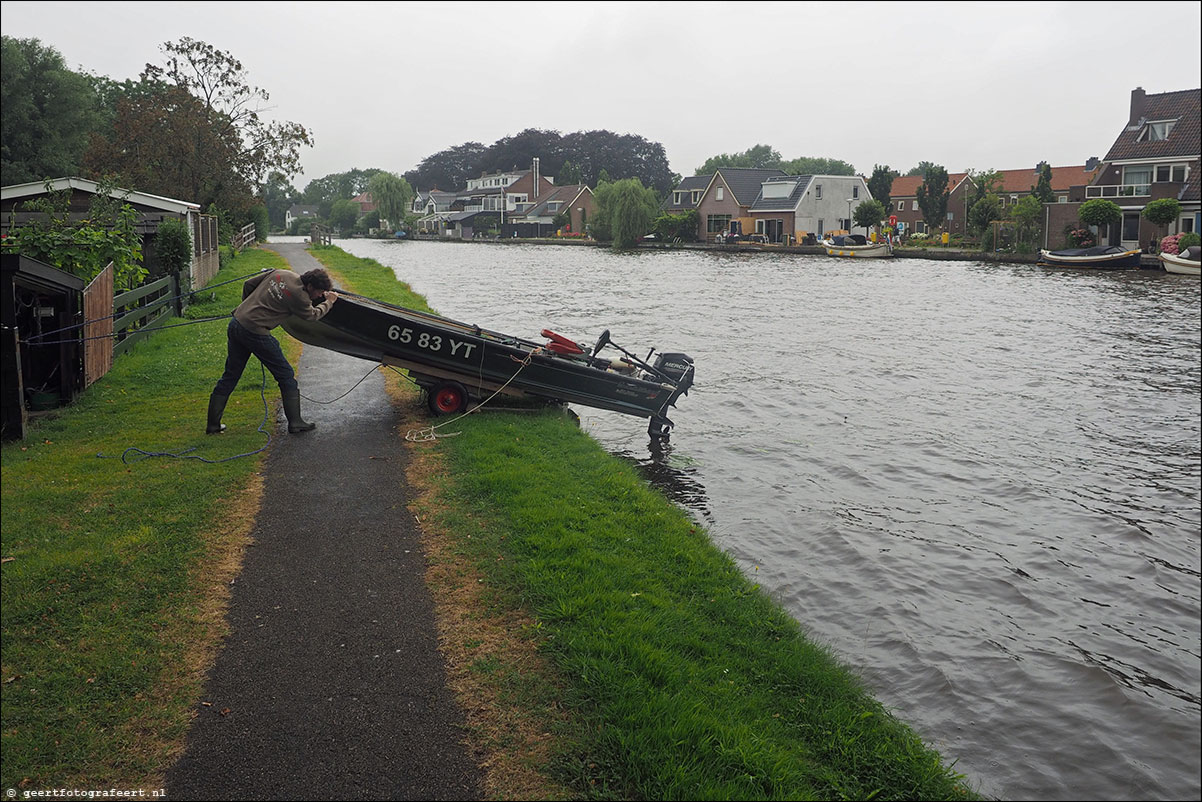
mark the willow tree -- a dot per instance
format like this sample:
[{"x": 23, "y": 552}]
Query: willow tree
[
  {"x": 626, "y": 211},
  {"x": 392, "y": 196}
]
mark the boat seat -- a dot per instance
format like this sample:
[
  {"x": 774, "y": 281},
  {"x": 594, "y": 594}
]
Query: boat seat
[{"x": 560, "y": 344}]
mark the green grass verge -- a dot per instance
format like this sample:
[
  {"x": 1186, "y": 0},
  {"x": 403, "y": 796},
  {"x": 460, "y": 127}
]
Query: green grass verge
[
  {"x": 682, "y": 679},
  {"x": 106, "y": 559}
]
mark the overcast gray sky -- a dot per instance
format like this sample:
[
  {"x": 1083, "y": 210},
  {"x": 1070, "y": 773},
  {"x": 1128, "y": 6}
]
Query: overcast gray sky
[{"x": 965, "y": 85}]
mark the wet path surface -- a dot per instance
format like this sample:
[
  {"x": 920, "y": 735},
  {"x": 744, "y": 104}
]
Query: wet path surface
[{"x": 330, "y": 685}]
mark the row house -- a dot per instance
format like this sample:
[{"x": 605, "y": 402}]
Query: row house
[
  {"x": 537, "y": 219},
  {"x": 496, "y": 195},
  {"x": 1155, "y": 156},
  {"x": 1068, "y": 185},
  {"x": 903, "y": 202}
]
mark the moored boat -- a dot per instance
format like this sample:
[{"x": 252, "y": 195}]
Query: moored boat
[
  {"x": 1104, "y": 257},
  {"x": 856, "y": 246},
  {"x": 456, "y": 362},
  {"x": 1186, "y": 264}
]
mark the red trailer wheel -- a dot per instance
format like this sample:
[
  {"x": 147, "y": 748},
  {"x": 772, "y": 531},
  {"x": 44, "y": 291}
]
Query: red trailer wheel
[{"x": 447, "y": 398}]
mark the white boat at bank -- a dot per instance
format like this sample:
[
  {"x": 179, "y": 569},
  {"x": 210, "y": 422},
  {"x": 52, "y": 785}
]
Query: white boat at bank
[
  {"x": 857, "y": 247},
  {"x": 1186, "y": 264}
]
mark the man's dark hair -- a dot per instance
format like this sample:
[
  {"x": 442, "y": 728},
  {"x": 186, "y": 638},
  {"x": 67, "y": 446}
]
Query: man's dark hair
[{"x": 317, "y": 279}]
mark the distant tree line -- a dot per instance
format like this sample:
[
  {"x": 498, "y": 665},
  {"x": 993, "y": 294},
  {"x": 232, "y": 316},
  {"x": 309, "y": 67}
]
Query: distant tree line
[
  {"x": 191, "y": 128},
  {"x": 576, "y": 158}
]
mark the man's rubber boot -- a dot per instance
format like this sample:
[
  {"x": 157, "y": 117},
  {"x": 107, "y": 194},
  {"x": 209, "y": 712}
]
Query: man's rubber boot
[
  {"x": 216, "y": 409},
  {"x": 292, "y": 411}
]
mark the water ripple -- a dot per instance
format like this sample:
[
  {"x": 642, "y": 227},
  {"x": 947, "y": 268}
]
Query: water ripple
[{"x": 979, "y": 484}]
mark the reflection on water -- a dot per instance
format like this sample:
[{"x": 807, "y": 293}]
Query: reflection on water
[
  {"x": 979, "y": 484},
  {"x": 673, "y": 476}
]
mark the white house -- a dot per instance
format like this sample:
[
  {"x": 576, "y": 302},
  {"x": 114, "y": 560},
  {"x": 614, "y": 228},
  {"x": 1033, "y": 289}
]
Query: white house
[{"x": 799, "y": 205}]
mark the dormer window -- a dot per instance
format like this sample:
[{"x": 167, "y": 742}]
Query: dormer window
[
  {"x": 676, "y": 198},
  {"x": 696, "y": 195},
  {"x": 1156, "y": 131}
]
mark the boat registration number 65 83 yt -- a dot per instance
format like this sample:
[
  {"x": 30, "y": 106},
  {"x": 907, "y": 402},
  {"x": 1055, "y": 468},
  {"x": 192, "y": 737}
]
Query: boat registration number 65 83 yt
[{"x": 431, "y": 342}]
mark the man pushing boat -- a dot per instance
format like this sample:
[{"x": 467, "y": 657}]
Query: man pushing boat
[{"x": 268, "y": 299}]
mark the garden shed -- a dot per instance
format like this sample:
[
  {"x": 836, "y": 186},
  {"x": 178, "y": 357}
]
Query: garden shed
[
  {"x": 38, "y": 302},
  {"x": 152, "y": 211}
]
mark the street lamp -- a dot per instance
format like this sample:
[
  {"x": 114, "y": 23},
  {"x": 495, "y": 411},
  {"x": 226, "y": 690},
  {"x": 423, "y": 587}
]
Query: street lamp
[{"x": 849, "y": 200}]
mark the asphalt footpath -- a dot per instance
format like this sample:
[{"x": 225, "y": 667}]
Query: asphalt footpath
[{"x": 330, "y": 684}]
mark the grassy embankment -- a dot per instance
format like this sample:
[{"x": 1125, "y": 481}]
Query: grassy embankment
[
  {"x": 116, "y": 572},
  {"x": 661, "y": 670},
  {"x": 620, "y": 654}
]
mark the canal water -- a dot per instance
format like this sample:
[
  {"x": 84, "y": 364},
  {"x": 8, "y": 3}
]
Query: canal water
[{"x": 977, "y": 483}]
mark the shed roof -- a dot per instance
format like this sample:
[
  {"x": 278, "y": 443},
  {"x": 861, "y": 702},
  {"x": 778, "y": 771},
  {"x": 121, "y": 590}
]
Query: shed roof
[{"x": 36, "y": 188}]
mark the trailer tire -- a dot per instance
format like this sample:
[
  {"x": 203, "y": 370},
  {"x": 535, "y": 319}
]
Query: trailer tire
[{"x": 447, "y": 398}]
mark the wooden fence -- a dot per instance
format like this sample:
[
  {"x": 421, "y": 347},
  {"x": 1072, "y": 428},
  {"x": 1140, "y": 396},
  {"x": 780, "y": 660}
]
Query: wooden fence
[
  {"x": 137, "y": 310},
  {"x": 98, "y": 326},
  {"x": 319, "y": 235},
  {"x": 244, "y": 238},
  {"x": 206, "y": 260}
]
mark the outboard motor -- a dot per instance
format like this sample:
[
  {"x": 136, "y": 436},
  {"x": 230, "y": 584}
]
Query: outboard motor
[{"x": 676, "y": 367}]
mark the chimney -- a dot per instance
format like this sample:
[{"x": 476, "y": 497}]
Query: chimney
[
  {"x": 534, "y": 167},
  {"x": 1138, "y": 101},
  {"x": 1092, "y": 163}
]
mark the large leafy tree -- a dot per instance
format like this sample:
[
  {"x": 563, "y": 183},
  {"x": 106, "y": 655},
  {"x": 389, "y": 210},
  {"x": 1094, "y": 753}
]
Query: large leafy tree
[
  {"x": 932, "y": 195},
  {"x": 392, "y": 195},
  {"x": 921, "y": 169},
  {"x": 198, "y": 121},
  {"x": 448, "y": 170},
  {"x": 49, "y": 113},
  {"x": 762, "y": 156},
  {"x": 278, "y": 194},
  {"x": 767, "y": 157},
  {"x": 518, "y": 152},
  {"x": 810, "y": 165},
  {"x": 881, "y": 184},
  {"x": 322, "y": 192},
  {"x": 587, "y": 153}
]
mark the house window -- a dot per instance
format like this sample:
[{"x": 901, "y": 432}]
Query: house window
[
  {"x": 675, "y": 198},
  {"x": 920, "y": 227},
  {"x": 1156, "y": 131},
  {"x": 855, "y": 193},
  {"x": 818, "y": 192},
  {"x": 1170, "y": 172},
  {"x": 718, "y": 193},
  {"x": 915, "y": 207},
  {"x": 717, "y": 223},
  {"x": 696, "y": 195},
  {"x": 1062, "y": 199}
]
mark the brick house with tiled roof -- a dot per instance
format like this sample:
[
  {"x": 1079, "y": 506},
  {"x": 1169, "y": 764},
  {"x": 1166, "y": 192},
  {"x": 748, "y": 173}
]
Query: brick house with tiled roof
[
  {"x": 1155, "y": 156},
  {"x": 903, "y": 202},
  {"x": 728, "y": 196},
  {"x": 537, "y": 219}
]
